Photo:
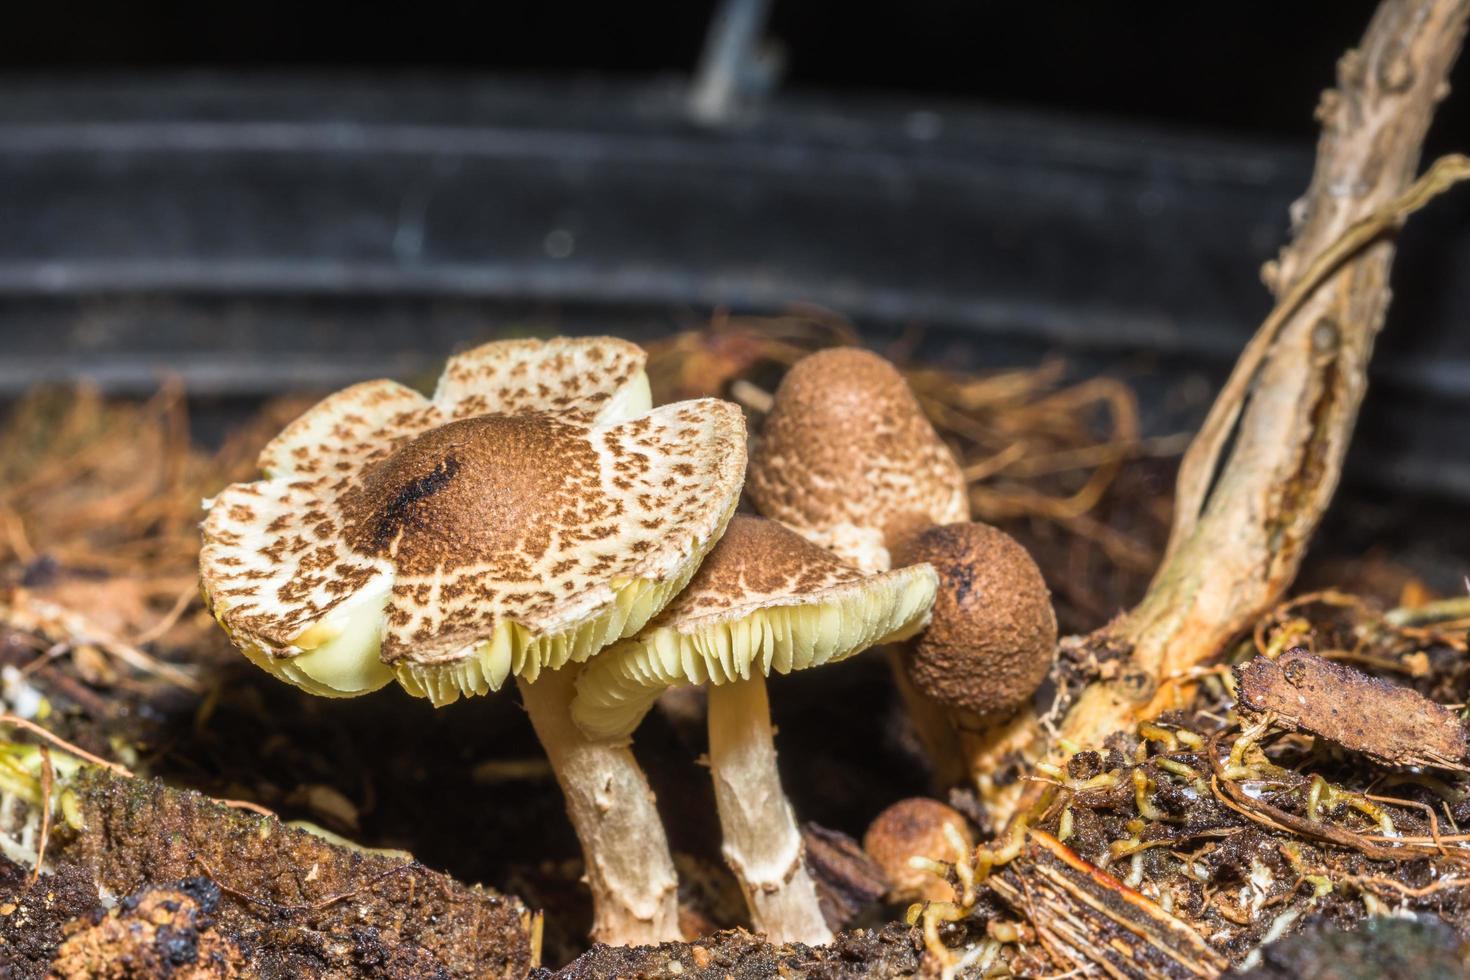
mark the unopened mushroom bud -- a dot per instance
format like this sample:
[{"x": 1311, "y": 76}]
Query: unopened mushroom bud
[
  {"x": 909, "y": 840},
  {"x": 993, "y": 634},
  {"x": 848, "y": 459}
]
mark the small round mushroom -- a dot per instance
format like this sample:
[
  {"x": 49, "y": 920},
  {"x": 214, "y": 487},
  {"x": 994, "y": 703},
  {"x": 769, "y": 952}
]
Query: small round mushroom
[
  {"x": 919, "y": 827},
  {"x": 764, "y": 600},
  {"x": 529, "y": 514},
  {"x": 993, "y": 634},
  {"x": 848, "y": 460}
]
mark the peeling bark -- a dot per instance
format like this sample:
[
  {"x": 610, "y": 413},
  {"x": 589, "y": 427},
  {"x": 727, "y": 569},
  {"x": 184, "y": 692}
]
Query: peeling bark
[
  {"x": 1384, "y": 721},
  {"x": 1094, "y": 920}
]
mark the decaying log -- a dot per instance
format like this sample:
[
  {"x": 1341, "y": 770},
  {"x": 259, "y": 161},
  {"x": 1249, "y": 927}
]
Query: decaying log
[
  {"x": 314, "y": 908},
  {"x": 1286, "y": 414},
  {"x": 1085, "y": 914},
  {"x": 1382, "y": 720}
]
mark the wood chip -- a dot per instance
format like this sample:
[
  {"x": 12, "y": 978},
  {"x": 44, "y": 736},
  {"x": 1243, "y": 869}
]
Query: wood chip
[
  {"x": 1382, "y": 720},
  {"x": 1085, "y": 915}
]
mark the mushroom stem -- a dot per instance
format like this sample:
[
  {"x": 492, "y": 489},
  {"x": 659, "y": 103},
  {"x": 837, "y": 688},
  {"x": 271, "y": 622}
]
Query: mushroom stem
[
  {"x": 761, "y": 841},
  {"x": 629, "y": 868},
  {"x": 932, "y": 725}
]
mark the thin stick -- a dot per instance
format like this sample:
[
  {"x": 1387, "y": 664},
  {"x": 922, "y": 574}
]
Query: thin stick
[
  {"x": 1428, "y": 810},
  {"x": 252, "y": 807},
  {"x": 1442, "y": 885},
  {"x": 63, "y": 744},
  {"x": 186, "y": 597},
  {"x": 48, "y": 780}
]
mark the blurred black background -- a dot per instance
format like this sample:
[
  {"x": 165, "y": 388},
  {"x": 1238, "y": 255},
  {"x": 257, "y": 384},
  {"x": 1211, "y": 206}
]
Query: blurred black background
[
  {"x": 277, "y": 196},
  {"x": 1252, "y": 67}
]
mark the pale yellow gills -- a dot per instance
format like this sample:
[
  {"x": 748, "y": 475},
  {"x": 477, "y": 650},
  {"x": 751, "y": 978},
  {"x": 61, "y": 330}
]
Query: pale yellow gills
[
  {"x": 765, "y": 601},
  {"x": 848, "y": 459},
  {"x": 530, "y": 513}
]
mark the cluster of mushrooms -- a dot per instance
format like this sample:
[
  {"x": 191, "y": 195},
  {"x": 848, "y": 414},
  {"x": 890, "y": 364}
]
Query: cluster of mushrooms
[{"x": 538, "y": 519}]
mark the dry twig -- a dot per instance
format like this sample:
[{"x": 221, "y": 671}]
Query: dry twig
[
  {"x": 1288, "y": 411},
  {"x": 63, "y": 744},
  {"x": 1384, "y": 721},
  {"x": 48, "y": 781}
]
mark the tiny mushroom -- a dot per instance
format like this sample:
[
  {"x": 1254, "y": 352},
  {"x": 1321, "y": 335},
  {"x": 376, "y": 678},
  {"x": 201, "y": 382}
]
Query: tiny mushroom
[
  {"x": 993, "y": 635},
  {"x": 848, "y": 460},
  {"x": 906, "y": 840},
  {"x": 764, "y": 600},
  {"x": 530, "y": 513}
]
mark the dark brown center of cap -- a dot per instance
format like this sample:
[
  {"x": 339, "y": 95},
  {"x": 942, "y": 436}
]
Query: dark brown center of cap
[
  {"x": 758, "y": 559},
  {"x": 487, "y": 490},
  {"x": 763, "y": 556}
]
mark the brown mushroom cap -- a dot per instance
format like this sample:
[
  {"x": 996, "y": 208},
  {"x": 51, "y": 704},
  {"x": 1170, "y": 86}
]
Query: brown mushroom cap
[
  {"x": 848, "y": 459},
  {"x": 765, "y": 600},
  {"x": 423, "y": 539},
  {"x": 917, "y": 828},
  {"x": 993, "y": 634}
]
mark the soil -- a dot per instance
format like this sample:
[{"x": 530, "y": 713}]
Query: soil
[{"x": 735, "y": 955}]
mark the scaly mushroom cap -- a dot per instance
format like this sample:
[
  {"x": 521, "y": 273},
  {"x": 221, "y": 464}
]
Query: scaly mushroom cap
[
  {"x": 427, "y": 540},
  {"x": 993, "y": 634},
  {"x": 765, "y": 599},
  {"x": 849, "y": 461}
]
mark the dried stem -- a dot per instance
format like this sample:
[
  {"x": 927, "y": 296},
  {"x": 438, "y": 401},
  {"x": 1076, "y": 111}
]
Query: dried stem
[
  {"x": 762, "y": 843},
  {"x": 629, "y": 869},
  {"x": 932, "y": 726},
  {"x": 48, "y": 781},
  {"x": 1288, "y": 411},
  {"x": 13, "y": 721}
]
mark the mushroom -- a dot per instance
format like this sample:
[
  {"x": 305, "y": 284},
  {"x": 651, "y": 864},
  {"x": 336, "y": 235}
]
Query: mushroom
[
  {"x": 917, "y": 828},
  {"x": 993, "y": 635},
  {"x": 527, "y": 515},
  {"x": 764, "y": 600},
  {"x": 848, "y": 460}
]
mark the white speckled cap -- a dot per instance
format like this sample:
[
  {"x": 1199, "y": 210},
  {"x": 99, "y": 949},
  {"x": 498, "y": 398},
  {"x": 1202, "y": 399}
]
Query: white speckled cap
[{"x": 531, "y": 512}]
